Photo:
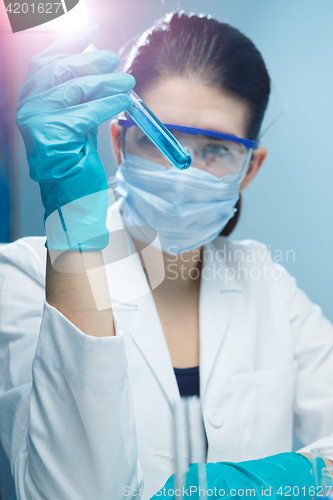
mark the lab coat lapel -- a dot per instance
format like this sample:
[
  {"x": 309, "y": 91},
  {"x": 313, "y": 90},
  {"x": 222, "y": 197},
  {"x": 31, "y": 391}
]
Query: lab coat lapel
[
  {"x": 139, "y": 316},
  {"x": 214, "y": 317},
  {"x": 147, "y": 333}
]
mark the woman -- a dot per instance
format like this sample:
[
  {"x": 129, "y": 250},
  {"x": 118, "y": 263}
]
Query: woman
[{"x": 95, "y": 420}]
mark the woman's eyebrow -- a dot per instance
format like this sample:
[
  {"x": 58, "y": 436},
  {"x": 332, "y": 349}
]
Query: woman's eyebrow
[{"x": 224, "y": 132}]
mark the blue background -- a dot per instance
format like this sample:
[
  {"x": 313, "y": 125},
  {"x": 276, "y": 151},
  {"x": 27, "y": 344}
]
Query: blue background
[{"x": 289, "y": 205}]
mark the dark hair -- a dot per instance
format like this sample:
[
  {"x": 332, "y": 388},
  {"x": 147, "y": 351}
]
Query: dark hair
[{"x": 213, "y": 52}]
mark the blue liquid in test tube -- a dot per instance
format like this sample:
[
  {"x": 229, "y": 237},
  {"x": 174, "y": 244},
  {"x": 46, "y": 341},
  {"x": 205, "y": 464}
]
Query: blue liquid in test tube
[
  {"x": 155, "y": 130},
  {"x": 157, "y": 133}
]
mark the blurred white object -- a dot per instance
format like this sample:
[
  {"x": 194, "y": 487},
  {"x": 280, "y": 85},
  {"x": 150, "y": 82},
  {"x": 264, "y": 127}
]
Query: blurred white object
[
  {"x": 189, "y": 441},
  {"x": 322, "y": 472}
]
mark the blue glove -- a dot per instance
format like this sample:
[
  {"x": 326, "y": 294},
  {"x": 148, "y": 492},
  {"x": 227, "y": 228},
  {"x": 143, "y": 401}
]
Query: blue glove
[
  {"x": 67, "y": 94},
  {"x": 275, "y": 478}
]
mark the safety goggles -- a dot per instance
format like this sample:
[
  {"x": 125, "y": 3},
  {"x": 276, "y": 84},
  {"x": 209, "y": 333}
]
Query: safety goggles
[{"x": 217, "y": 153}]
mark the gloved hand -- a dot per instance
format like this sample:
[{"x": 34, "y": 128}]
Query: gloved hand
[
  {"x": 67, "y": 94},
  {"x": 275, "y": 478}
]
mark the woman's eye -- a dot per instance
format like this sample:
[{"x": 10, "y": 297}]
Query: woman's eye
[{"x": 216, "y": 149}]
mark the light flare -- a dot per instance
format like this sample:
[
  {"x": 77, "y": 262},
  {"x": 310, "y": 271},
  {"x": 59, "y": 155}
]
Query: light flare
[{"x": 71, "y": 19}]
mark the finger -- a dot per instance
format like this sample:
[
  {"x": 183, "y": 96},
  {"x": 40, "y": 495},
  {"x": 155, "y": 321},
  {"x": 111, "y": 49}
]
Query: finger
[
  {"x": 71, "y": 42},
  {"x": 96, "y": 87},
  {"x": 74, "y": 66},
  {"x": 92, "y": 114},
  {"x": 61, "y": 126},
  {"x": 75, "y": 92}
]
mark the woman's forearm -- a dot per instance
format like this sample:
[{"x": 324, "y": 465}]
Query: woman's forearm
[{"x": 77, "y": 296}]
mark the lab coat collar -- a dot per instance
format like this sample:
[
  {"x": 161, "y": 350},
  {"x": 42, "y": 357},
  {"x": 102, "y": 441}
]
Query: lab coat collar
[
  {"x": 147, "y": 334},
  {"x": 139, "y": 319},
  {"x": 146, "y": 329}
]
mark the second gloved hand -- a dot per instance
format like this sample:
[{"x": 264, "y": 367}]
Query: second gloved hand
[
  {"x": 276, "y": 478},
  {"x": 66, "y": 96}
]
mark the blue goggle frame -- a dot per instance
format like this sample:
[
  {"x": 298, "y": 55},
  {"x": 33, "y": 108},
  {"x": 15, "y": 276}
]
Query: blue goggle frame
[{"x": 248, "y": 143}]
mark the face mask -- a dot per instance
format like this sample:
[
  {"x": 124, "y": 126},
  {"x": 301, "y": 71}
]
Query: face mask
[{"x": 187, "y": 208}]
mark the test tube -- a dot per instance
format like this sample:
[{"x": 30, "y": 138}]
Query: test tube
[
  {"x": 155, "y": 130},
  {"x": 158, "y": 133}
]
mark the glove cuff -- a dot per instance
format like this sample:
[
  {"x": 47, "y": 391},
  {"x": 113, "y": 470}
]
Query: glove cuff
[{"x": 79, "y": 225}]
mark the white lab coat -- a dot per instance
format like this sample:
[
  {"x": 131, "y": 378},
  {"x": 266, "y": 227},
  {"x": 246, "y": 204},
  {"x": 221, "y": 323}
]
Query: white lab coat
[{"x": 94, "y": 414}]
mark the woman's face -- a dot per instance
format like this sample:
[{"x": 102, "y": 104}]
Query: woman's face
[{"x": 189, "y": 103}]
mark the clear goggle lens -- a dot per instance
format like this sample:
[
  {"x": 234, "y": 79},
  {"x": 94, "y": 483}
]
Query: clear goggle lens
[{"x": 220, "y": 157}]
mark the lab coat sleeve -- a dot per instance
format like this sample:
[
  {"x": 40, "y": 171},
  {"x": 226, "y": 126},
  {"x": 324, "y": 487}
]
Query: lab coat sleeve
[
  {"x": 21, "y": 304},
  {"x": 70, "y": 433},
  {"x": 313, "y": 347}
]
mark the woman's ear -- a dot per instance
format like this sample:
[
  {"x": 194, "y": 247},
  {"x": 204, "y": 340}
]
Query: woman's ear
[
  {"x": 258, "y": 159},
  {"x": 115, "y": 139}
]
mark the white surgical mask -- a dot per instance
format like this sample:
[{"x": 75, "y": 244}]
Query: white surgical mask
[{"x": 187, "y": 208}]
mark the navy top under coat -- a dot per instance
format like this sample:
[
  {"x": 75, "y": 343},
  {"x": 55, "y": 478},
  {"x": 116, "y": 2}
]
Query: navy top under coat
[{"x": 188, "y": 381}]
